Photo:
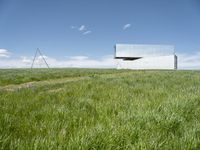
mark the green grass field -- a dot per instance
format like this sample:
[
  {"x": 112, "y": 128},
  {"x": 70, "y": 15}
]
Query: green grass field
[{"x": 99, "y": 109}]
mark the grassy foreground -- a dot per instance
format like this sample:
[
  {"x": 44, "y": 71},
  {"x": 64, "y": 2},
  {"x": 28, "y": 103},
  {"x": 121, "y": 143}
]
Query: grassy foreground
[{"x": 99, "y": 109}]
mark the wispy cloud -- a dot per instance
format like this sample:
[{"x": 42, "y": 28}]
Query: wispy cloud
[
  {"x": 189, "y": 61},
  {"x": 78, "y": 57},
  {"x": 126, "y": 26},
  {"x": 82, "y": 28},
  {"x": 4, "y": 53},
  {"x": 26, "y": 60},
  {"x": 73, "y": 27},
  {"x": 87, "y": 32}
]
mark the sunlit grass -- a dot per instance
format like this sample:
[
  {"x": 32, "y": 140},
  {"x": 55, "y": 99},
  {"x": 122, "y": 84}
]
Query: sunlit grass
[{"x": 116, "y": 110}]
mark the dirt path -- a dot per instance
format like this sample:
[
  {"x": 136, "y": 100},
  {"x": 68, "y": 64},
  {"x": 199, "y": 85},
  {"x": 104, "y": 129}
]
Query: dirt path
[
  {"x": 41, "y": 83},
  {"x": 17, "y": 87}
]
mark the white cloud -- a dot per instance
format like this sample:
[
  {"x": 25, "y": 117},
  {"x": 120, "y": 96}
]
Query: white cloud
[
  {"x": 4, "y": 53},
  {"x": 126, "y": 26},
  {"x": 189, "y": 61},
  {"x": 83, "y": 62},
  {"x": 82, "y": 28},
  {"x": 87, "y": 32},
  {"x": 72, "y": 61},
  {"x": 78, "y": 57},
  {"x": 185, "y": 61},
  {"x": 26, "y": 60}
]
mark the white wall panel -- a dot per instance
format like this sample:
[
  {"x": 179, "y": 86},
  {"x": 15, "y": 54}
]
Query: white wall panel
[
  {"x": 126, "y": 50},
  {"x": 157, "y": 62}
]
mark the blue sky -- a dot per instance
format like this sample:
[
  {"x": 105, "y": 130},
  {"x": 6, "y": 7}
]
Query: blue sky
[{"x": 67, "y": 29}]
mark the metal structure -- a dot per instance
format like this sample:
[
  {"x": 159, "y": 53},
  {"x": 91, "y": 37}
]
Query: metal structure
[
  {"x": 41, "y": 55},
  {"x": 145, "y": 56}
]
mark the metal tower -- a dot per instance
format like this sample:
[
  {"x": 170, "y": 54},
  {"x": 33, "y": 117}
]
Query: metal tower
[{"x": 40, "y": 53}]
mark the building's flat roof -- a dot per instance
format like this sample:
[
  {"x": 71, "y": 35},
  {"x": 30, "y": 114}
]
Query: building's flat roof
[{"x": 140, "y": 50}]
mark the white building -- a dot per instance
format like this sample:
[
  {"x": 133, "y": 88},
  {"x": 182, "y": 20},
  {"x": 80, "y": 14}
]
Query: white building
[{"x": 145, "y": 56}]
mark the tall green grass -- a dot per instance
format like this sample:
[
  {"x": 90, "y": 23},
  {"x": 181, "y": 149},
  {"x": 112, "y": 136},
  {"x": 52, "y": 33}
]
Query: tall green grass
[{"x": 134, "y": 110}]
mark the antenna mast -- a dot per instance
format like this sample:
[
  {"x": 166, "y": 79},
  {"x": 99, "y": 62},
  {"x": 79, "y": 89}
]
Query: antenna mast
[{"x": 40, "y": 53}]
